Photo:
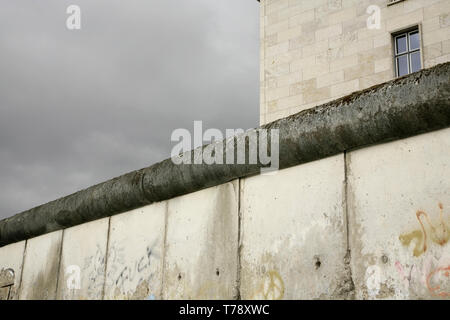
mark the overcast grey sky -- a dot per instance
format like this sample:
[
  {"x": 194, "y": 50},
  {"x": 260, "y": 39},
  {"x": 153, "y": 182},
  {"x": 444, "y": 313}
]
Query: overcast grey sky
[{"x": 83, "y": 106}]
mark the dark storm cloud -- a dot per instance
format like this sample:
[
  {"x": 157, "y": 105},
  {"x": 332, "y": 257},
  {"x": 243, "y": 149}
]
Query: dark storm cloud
[{"x": 80, "y": 107}]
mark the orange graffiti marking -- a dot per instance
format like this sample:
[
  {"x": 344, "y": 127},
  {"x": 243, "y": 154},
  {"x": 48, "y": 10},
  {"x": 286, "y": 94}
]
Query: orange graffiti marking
[
  {"x": 436, "y": 290},
  {"x": 439, "y": 234}
]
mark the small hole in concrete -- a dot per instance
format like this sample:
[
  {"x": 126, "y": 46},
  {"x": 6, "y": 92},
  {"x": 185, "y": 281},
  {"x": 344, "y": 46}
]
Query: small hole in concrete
[
  {"x": 179, "y": 276},
  {"x": 317, "y": 263},
  {"x": 217, "y": 272}
]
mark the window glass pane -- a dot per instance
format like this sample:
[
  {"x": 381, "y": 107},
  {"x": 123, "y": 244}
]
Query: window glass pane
[
  {"x": 401, "y": 44},
  {"x": 414, "y": 41},
  {"x": 415, "y": 61},
  {"x": 402, "y": 65}
]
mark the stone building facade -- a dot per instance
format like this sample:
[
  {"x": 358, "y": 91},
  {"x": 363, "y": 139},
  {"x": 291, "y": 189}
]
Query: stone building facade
[{"x": 315, "y": 51}]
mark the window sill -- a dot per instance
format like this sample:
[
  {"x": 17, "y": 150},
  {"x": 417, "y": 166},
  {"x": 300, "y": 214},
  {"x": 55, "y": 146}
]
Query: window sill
[{"x": 392, "y": 2}]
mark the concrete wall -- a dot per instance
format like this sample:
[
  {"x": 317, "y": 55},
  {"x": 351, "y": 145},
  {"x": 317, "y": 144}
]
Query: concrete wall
[
  {"x": 314, "y": 51},
  {"x": 369, "y": 224},
  {"x": 293, "y": 233},
  {"x": 11, "y": 257},
  {"x": 399, "y": 218}
]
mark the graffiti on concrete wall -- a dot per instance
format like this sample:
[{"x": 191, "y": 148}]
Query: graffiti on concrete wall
[
  {"x": 123, "y": 274},
  {"x": 433, "y": 275},
  {"x": 438, "y": 233},
  {"x": 271, "y": 287},
  {"x": 426, "y": 277},
  {"x": 6, "y": 283},
  {"x": 96, "y": 277},
  {"x": 438, "y": 282}
]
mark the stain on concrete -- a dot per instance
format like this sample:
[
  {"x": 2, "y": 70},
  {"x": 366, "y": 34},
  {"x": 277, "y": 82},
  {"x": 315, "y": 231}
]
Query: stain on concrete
[
  {"x": 44, "y": 284},
  {"x": 438, "y": 233},
  {"x": 217, "y": 249},
  {"x": 271, "y": 287},
  {"x": 346, "y": 288},
  {"x": 142, "y": 292}
]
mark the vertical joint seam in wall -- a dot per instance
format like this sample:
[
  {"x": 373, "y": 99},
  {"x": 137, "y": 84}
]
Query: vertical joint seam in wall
[
  {"x": 9, "y": 293},
  {"x": 238, "y": 273},
  {"x": 347, "y": 258},
  {"x": 19, "y": 288},
  {"x": 106, "y": 259},
  {"x": 163, "y": 262},
  {"x": 346, "y": 202},
  {"x": 59, "y": 264}
]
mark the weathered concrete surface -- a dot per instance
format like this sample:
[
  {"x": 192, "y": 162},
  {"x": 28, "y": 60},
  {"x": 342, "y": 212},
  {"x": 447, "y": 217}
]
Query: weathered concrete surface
[
  {"x": 6, "y": 283},
  {"x": 40, "y": 268},
  {"x": 135, "y": 253},
  {"x": 399, "y": 202},
  {"x": 82, "y": 271},
  {"x": 11, "y": 257},
  {"x": 293, "y": 233},
  {"x": 400, "y": 108},
  {"x": 202, "y": 245},
  {"x": 6, "y": 277}
]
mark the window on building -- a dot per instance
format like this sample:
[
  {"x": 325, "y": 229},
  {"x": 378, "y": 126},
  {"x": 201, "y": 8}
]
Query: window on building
[{"x": 407, "y": 52}]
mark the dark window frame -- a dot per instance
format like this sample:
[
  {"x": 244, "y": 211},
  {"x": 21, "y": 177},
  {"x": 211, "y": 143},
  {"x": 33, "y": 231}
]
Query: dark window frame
[{"x": 409, "y": 52}]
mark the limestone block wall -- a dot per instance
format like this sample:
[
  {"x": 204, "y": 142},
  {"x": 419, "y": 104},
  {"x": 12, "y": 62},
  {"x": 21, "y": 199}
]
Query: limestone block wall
[
  {"x": 372, "y": 223},
  {"x": 314, "y": 51}
]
